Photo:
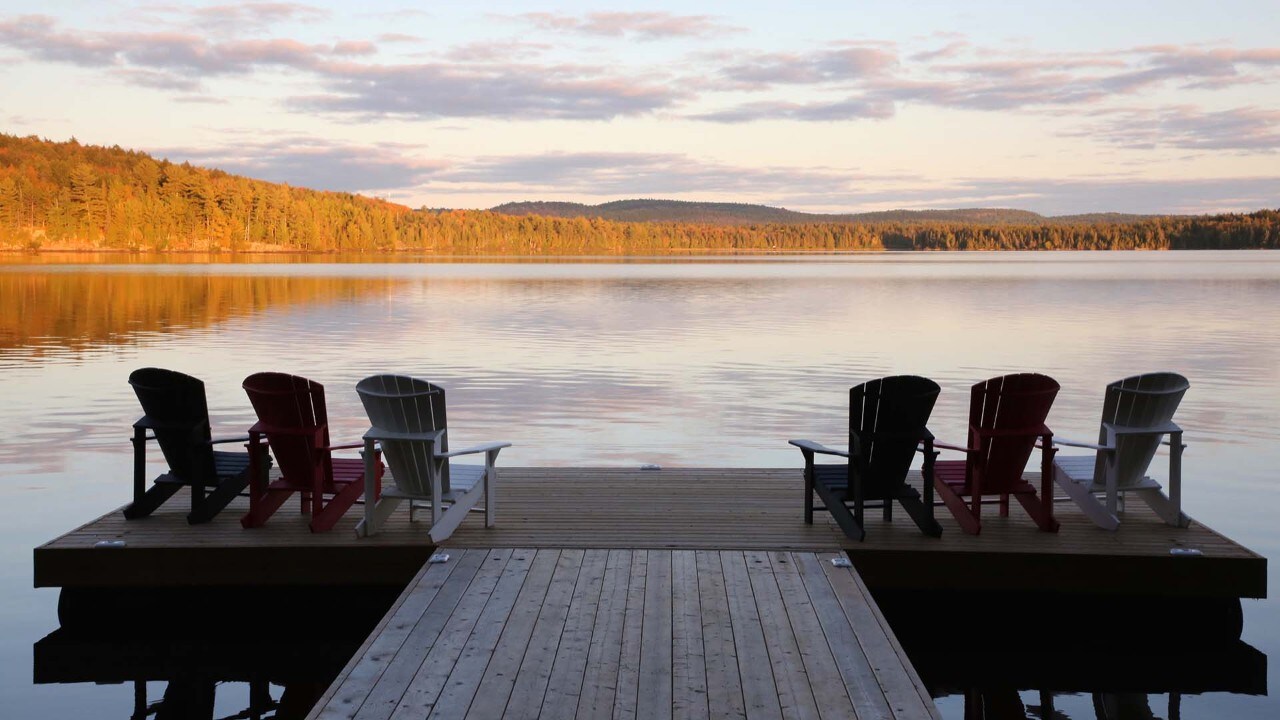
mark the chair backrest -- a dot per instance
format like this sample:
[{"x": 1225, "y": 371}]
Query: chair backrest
[
  {"x": 292, "y": 413},
  {"x": 402, "y": 404},
  {"x": 175, "y": 409},
  {"x": 1012, "y": 408},
  {"x": 887, "y": 419},
  {"x": 1141, "y": 401}
]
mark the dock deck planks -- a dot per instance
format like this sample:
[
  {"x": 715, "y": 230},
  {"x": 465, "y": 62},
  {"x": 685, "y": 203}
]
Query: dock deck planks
[
  {"x": 500, "y": 666},
  {"x": 680, "y": 508}
]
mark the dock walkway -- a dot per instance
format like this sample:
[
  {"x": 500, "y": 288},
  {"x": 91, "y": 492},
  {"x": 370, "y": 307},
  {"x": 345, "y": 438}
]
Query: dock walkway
[{"x": 565, "y": 633}]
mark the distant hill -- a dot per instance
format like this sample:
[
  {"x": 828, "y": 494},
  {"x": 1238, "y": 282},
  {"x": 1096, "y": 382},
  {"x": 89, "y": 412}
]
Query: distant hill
[{"x": 713, "y": 213}]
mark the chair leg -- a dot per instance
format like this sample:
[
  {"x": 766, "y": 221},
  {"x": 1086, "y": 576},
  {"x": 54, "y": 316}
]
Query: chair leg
[
  {"x": 216, "y": 501},
  {"x": 835, "y": 505},
  {"x": 808, "y": 494},
  {"x": 1089, "y": 504},
  {"x": 968, "y": 520},
  {"x": 378, "y": 516},
  {"x": 262, "y": 507},
  {"x": 1039, "y": 510},
  {"x": 150, "y": 500},
  {"x": 327, "y": 516},
  {"x": 491, "y": 496},
  {"x": 920, "y": 514},
  {"x": 1164, "y": 507}
]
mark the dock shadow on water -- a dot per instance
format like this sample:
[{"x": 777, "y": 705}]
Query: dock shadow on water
[
  {"x": 276, "y": 648},
  {"x": 1005, "y": 656},
  {"x": 280, "y": 648}
]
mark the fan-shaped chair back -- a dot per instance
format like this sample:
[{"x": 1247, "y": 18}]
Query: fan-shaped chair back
[
  {"x": 402, "y": 404},
  {"x": 176, "y": 411},
  {"x": 1141, "y": 401},
  {"x": 887, "y": 418},
  {"x": 291, "y": 413},
  {"x": 1011, "y": 409}
]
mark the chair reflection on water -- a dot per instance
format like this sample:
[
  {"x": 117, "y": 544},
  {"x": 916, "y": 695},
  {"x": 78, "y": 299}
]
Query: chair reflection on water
[{"x": 185, "y": 639}]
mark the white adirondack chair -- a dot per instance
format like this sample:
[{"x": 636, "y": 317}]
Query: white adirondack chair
[
  {"x": 1137, "y": 413},
  {"x": 407, "y": 418}
]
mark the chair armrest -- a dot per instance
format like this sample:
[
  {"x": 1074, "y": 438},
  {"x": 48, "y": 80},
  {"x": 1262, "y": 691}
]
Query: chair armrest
[
  {"x": 223, "y": 441},
  {"x": 957, "y": 448},
  {"x": 487, "y": 447},
  {"x": 814, "y": 447},
  {"x": 261, "y": 428},
  {"x": 348, "y": 446},
  {"x": 148, "y": 423},
  {"x": 1162, "y": 429},
  {"x": 380, "y": 434},
  {"x": 1018, "y": 432},
  {"x": 1079, "y": 444}
]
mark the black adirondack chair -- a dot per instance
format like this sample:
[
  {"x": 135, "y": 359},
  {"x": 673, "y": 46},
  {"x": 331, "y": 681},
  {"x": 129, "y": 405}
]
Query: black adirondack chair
[
  {"x": 177, "y": 416},
  {"x": 887, "y": 419}
]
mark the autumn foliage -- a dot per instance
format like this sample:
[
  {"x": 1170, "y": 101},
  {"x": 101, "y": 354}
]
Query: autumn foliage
[{"x": 68, "y": 195}]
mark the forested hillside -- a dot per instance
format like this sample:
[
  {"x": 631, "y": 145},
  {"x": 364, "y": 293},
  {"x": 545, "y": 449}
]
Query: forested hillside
[{"x": 72, "y": 196}]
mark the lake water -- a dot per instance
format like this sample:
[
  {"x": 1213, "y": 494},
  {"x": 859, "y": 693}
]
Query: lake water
[{"x": 711, "y": 362}]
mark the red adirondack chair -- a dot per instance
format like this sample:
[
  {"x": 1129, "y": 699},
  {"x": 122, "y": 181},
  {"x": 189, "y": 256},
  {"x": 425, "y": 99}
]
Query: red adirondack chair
[
  {"x": 293, "y": 424},
  {"x": 1006, "y": 419}
]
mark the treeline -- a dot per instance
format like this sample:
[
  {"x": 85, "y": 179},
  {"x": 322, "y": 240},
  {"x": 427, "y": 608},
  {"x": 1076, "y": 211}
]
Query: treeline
[{"x": 67, "y": 195}]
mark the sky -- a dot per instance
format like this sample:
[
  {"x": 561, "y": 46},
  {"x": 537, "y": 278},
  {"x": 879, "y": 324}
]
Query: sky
[{"x": 851, "y": 106}]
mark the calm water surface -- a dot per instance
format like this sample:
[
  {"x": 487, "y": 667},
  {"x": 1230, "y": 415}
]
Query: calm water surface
[{"x": 693, "y": 362}]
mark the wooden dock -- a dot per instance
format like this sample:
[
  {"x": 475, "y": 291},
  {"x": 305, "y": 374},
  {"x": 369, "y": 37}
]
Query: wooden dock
[
  {"x": 608, "y": 592},
  {"x": 565, "y": 633},
  {"x": 686, "y": 508}
]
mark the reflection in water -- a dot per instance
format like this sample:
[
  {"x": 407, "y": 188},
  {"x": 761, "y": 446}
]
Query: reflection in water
[
  {"x": 1115, "y": 679},
  {"x": 273, "y": 655},
  {"x": 686, "y": 363},
  {"x": 71, "y": 310}
]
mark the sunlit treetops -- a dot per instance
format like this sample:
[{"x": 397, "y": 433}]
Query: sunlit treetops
[{"x": 68, "y": 195}]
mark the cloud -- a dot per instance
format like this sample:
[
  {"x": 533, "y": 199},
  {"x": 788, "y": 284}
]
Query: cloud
[
  {"x": 836, "y": 65},
  {"x": 1063, "y": 196},
  {"x": 472, "y": 84},
  {"x": 869, "y": 80},
  {"x": 518, "y": 79},
  {"x": 642, "y": 25},
  {"x": 513, "y": 91},
  {"x": 395, "y": 37},
  {"x": 951, "y": 49},
  {"x": 854, "y": 108},
  {"x": 247, "y": 17},
  {"x": 315, "y": 163},
  {"x": 1245, "y": 130},
  {"x": 481, "y": 52},
  {"x": 631, "y": 174},
  {"x": 149, "y": 54},
  {"x": 1198, "y": 68},
  {"x": 605, "y": 176}
]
